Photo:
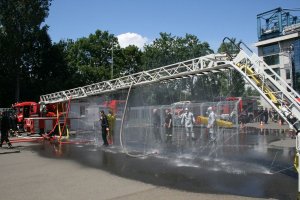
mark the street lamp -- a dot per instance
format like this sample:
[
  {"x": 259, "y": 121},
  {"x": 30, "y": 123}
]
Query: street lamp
[
  {"x": 112, "y": 61},
  {"x": 289, "y": 54}
]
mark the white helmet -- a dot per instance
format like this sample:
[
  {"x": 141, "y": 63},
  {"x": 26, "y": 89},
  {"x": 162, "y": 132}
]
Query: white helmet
[{"x": 209, "y": 108}]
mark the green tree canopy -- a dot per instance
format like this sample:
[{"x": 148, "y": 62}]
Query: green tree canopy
[
  {"x": 168, "y": 49},
  {"x": 95, "y": 58},
  {"x": 23, "y": 38},
  {"x": 233, "y": 84}
]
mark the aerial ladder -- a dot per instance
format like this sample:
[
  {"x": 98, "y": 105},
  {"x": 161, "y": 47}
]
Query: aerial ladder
[
  {"x": 271, "y": 86},
  {"x": 281, "y": 96}
]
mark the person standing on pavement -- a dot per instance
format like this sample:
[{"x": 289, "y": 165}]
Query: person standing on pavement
[
  {"x": 188, "y": 120},
  {"x": 0, "y": 119},
  {"x": 4, "y": 129},
  {"x": 156, "y": 125},
  {"x": 111, "y": 117},
  {"x": 105, "y": 127},
  {"x": 168, "y": 126},
  {"x": 266, "y": 115},
  {"x": 261, "y": 116},
  {"x": 211, "y": 123}
]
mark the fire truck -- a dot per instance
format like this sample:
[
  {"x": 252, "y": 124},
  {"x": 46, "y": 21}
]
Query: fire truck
[
  {"x": 24, "y": 110},
  {"x": 117, "y": 107},
  {"x": 247, "y": 107},
  {"x": 32, "y": 117}
]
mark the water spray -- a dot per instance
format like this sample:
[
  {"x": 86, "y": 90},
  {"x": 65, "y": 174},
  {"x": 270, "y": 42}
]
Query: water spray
[{"x": 121, "y": 131}]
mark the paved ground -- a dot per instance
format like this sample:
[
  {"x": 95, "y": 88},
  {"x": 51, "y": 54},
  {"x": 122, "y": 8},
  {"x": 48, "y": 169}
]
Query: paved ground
[
  {"x": 269, "y": 125},
  {"x": 26, "y": 175}
]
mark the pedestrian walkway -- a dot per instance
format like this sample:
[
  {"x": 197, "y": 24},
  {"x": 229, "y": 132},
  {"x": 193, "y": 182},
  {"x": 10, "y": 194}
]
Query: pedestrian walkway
[
  {"x": 270, "y": 125},
  {"x": 29, "y": 176},
  {"x": 6, "y": 150}
]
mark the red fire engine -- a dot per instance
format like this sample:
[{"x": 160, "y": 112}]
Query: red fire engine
[
  {"x": 117, "y": 106},
  {"x": 24, "y": 110},
  {"x": 247, "y": 107},
  {"x": 34, "y": 118}
]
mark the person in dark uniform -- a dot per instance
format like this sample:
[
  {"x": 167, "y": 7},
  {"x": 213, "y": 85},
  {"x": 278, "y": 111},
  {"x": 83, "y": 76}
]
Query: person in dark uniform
[
  {"x": 13, "y": 124},
  {"x": 4, "y": 129},
  {"x": 105, "y": 127},
  {"x": 266, "y": 115},
  {"x": 168, "y": 126},
  {"x": 156, "y": 124},
  {"x": 261, "y": 115}
]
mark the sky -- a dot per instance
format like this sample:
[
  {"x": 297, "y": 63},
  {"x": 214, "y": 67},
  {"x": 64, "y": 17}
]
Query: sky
[{"x": 139, "y": 22}]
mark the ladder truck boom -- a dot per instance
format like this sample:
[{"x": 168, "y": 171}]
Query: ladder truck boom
[{"x": 271, "y": 87}]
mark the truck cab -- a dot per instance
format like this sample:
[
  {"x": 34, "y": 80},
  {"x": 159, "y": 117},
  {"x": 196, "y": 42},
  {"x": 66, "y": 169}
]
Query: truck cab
[{"x": 24, "y": 110}]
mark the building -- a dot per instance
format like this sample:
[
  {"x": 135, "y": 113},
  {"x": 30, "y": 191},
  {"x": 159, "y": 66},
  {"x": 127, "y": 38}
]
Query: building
[{"x": 279, "y": 43}]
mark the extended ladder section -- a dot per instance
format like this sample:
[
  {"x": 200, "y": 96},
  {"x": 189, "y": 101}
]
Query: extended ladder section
[
  {"x": 197, "y": 66},
  {"x": 281, "y": 96}
]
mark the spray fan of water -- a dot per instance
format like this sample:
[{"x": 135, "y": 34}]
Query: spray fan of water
[{"x": 225, "y": 155}]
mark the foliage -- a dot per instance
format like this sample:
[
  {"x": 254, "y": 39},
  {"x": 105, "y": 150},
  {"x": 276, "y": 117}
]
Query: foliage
[
  {"x": 132, "y": 60},
  {"x": 233, "y": 84},
  {"x": 23, "y": 40},
  {"x": 32, "y": 65},
  {"x": 93, "y": 58},
  {"x": 168, "y": 49},
  {"x": 251, "y": 92}
]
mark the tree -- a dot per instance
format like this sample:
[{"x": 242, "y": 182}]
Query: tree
[
  {"x": 21, "y": 40},
  {"x": 168, "y": 49},
  {"x": 132, "y": 60},
  {"x": 91, "y": 57},
  {"x": 232, "y": 77}
]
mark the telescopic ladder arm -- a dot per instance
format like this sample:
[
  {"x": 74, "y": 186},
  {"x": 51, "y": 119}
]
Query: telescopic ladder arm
[
  {"x": 197, "y": 66},
  {"x": 280, "y": 95},
  {"x": 272, "y": 87}
]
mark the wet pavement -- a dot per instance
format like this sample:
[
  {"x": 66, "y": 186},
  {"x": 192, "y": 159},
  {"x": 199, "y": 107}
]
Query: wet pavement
[{"x": 239, "y": 162}]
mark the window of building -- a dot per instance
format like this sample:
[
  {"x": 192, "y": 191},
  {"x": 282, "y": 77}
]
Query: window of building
[
  {"x": 296, "y": 67},
  {"x": 271, "y": 54},
  {"x": 277, "y": 70},
  {"x": 268, "y": 71},
  {"x": 288, "y": 74},
  {"x": 272, "y": 60},
  {"x": 271, "y": 49}
]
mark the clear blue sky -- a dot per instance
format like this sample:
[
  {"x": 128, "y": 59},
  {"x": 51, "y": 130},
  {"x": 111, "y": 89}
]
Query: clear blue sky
[{"x": 209, "y": 20}]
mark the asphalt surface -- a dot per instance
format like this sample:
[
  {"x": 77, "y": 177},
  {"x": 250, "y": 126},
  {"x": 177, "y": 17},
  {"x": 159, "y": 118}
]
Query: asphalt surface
[{"x": 245, "y": 164}]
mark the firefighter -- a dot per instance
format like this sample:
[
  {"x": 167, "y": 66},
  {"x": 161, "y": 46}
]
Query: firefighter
[
  {"x": 105, "y": 127},
  {"x": 4, "y": 129},
  {"x": 188, "y": 120},
  {"x": 168, "y": 126},
  {"x": 156, "y": 124},
  {"x": 211, "y": 123},
  {"x": 0, "y": 119},
  {"x": 13, "y": 124},
  {"x": 111, "y": 117}
]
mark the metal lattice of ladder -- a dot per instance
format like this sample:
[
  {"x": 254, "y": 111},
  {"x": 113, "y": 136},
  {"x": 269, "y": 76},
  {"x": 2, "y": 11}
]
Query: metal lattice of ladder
[
  {"x": 197, "y": 66},
  {"x": 272, "y": 87},
  {"x": 281, "y": 96}
]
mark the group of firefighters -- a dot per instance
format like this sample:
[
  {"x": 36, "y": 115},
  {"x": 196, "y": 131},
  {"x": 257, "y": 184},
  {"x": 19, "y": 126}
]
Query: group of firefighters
[
  {"x": 107, "y": 125},
  {"x": 187, "y": 120}
]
